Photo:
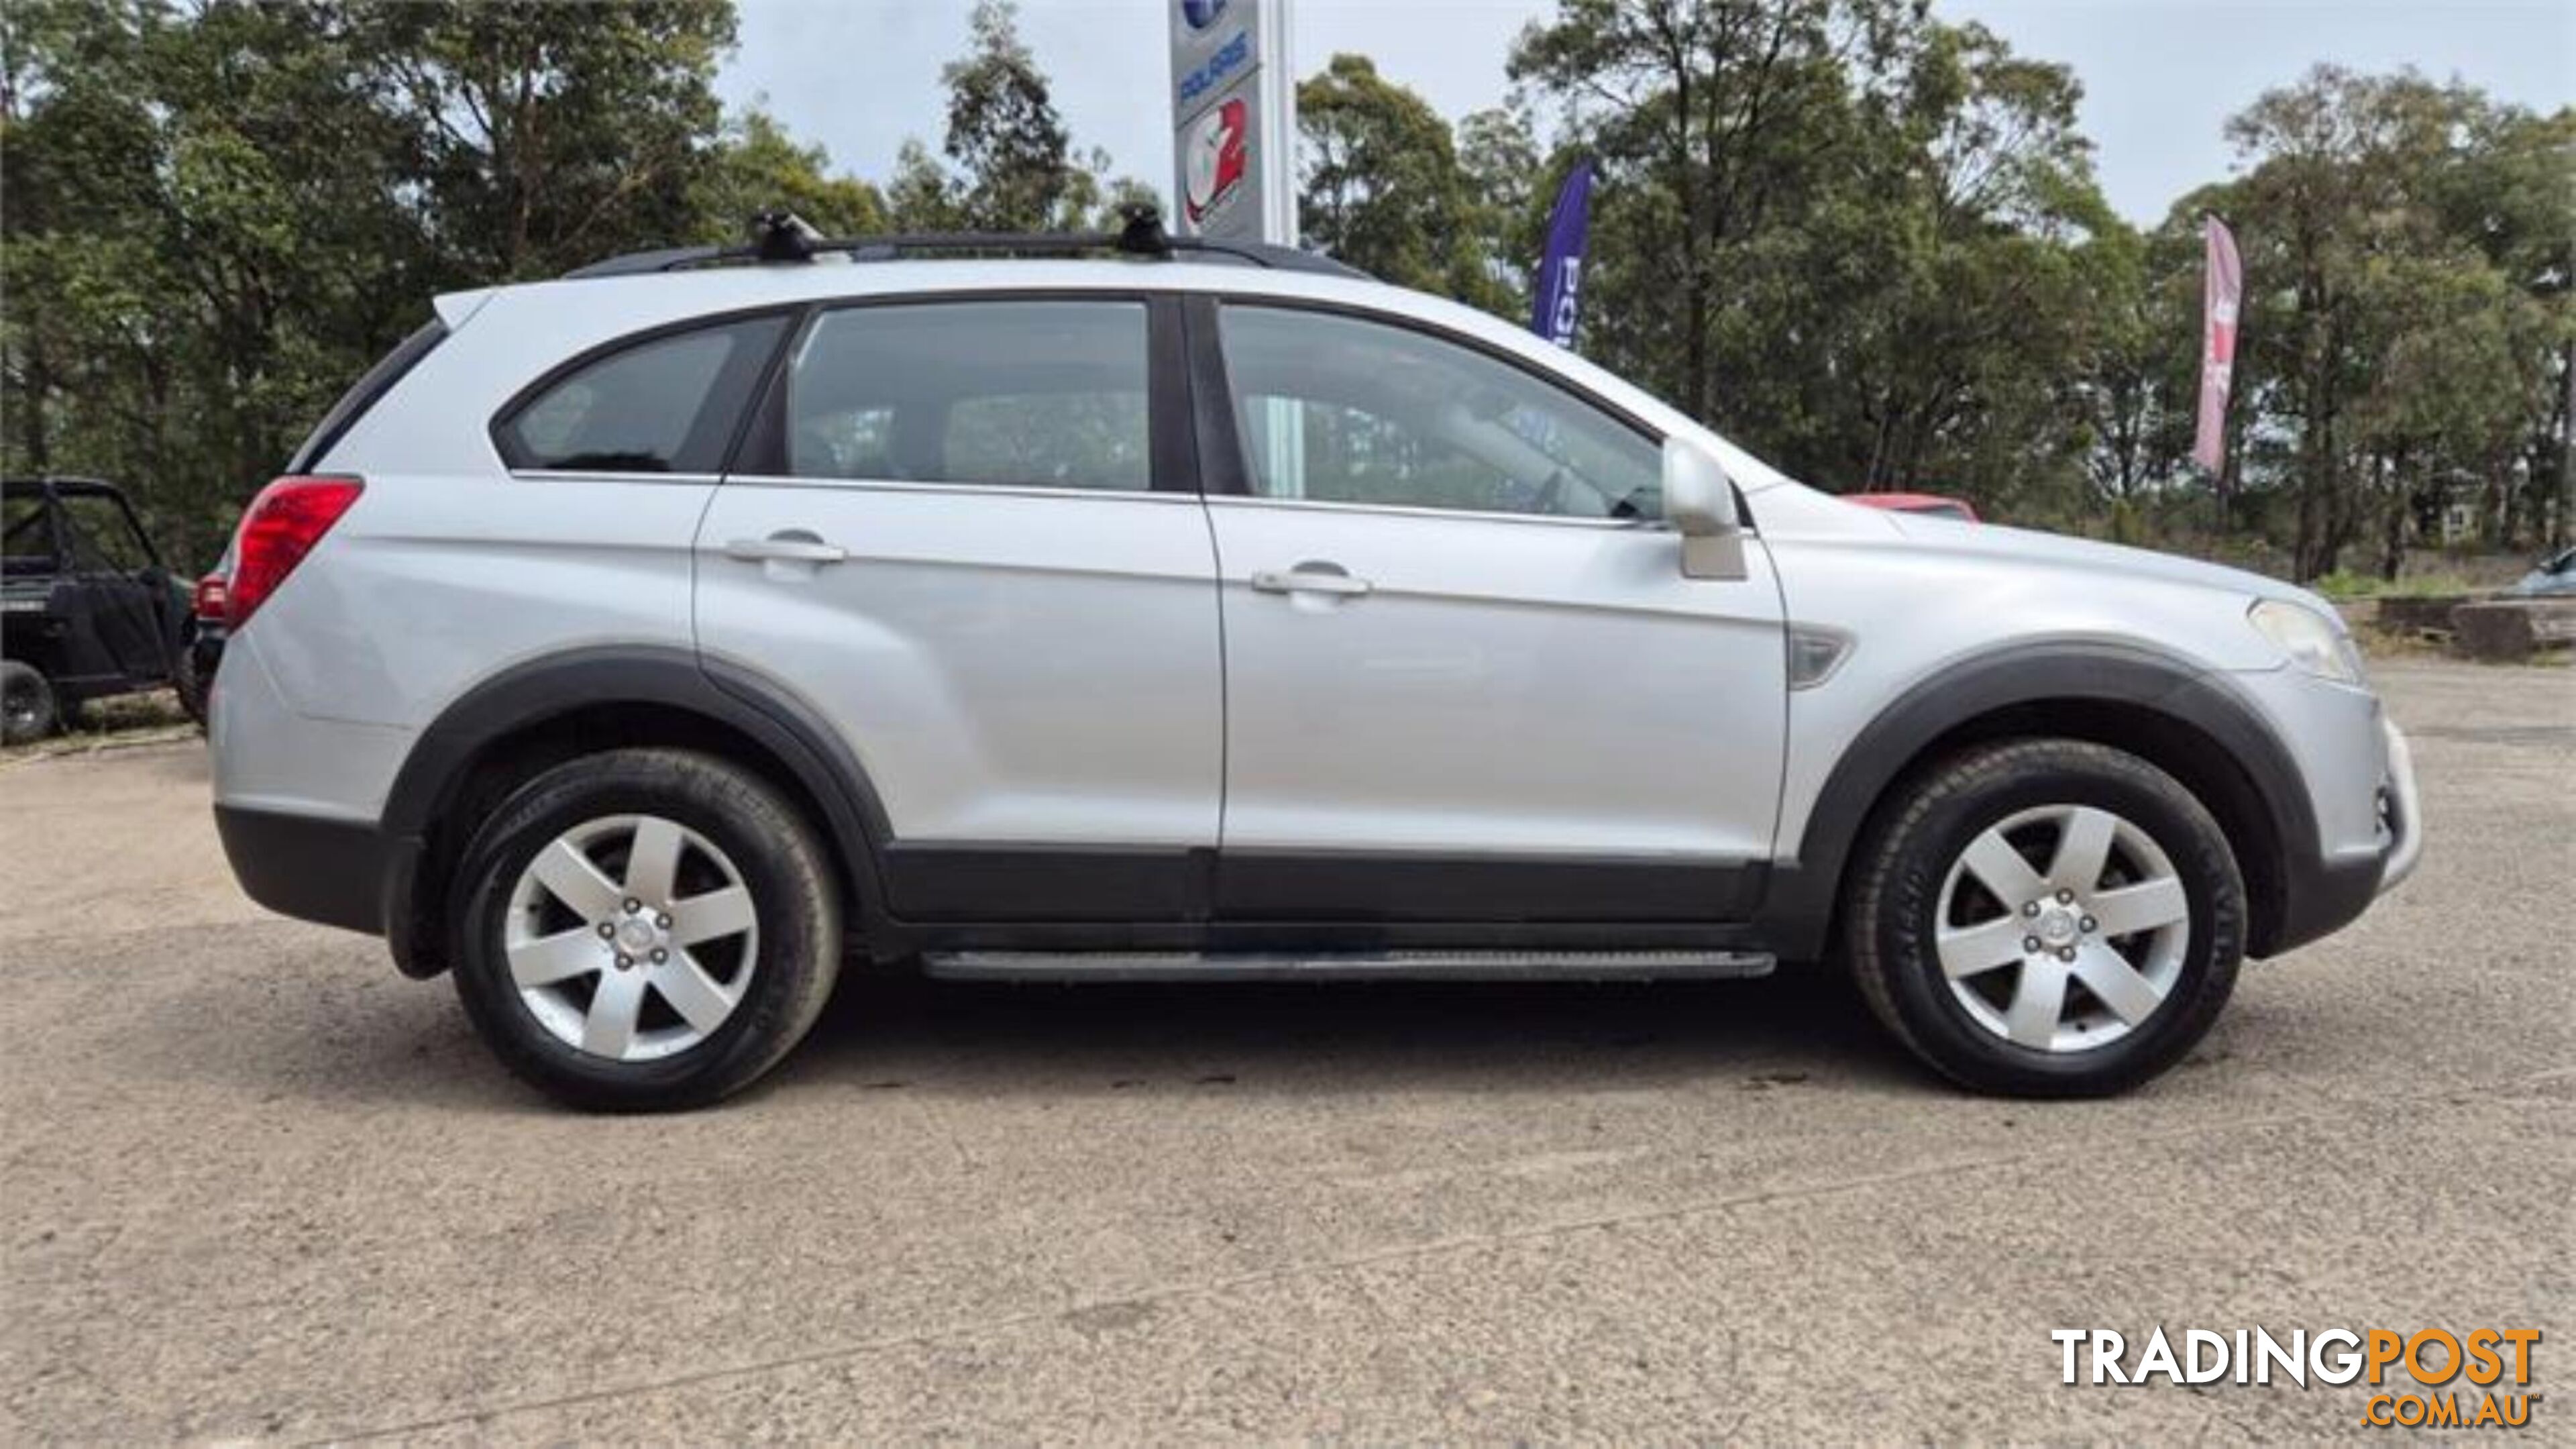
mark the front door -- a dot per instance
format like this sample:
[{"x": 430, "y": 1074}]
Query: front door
[
  {"x": 1466, "y": 680},
  {"x": 972, "y": 542}
]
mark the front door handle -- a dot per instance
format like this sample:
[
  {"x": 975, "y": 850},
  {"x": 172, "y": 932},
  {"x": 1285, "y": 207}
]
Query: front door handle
[
  {"x": 1310, "y": 578},
  {"x": 787, "y": 546}
]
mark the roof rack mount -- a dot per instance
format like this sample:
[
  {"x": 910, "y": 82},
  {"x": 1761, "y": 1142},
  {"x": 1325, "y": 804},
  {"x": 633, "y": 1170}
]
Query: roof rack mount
[{"x": 781, "y": 237}]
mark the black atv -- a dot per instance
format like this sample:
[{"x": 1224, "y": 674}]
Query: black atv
[{"x": 86, "y": 607}]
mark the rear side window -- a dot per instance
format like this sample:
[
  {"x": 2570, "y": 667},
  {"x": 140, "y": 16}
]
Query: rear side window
[
  {"x": 365, "y": 393},
  {"x": 1048, "y": 394},
  {"x": 669, "y": 404}
]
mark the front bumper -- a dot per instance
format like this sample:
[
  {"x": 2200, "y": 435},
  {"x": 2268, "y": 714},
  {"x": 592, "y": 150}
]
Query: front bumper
[
  {"x": 2324, "y": 893},
  {"x": 2402, "y": 809}
]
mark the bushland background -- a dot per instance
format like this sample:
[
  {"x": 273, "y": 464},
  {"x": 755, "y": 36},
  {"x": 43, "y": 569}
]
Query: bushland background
[{"x": 1864, "y": 241}]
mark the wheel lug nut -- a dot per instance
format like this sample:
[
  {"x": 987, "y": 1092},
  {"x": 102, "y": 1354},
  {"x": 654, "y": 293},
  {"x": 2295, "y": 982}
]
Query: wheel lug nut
[
  {"x": 662, "y": 922},
  {"x": 606, "y": 929},
  {"x": 2066, "y": 955},
  {"x": 633, "y": 905},
  {"x": 2030, "y": 943},
  {"x": 2030, "y": 908},
  {"x": 2065, "y": 897},
  {"x": 660, "y": 955},
  {"x": 624, "y": 961},
  {"x": 2088, "y": 923}
]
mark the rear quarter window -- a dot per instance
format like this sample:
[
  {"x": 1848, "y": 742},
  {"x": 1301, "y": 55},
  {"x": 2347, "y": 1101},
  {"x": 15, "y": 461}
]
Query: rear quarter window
[
  {"x": 669, "y": 403},
  {"x": 365, "y": 393}
]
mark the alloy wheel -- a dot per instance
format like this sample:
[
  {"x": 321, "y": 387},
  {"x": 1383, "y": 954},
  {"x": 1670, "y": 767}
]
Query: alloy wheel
[
  {"x": 2062, "y": 928},
  {"x": 631, "y": 937}
]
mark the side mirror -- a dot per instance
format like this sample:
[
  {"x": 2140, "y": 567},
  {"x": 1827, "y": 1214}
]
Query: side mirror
[{"x": 1699, "y": 502}]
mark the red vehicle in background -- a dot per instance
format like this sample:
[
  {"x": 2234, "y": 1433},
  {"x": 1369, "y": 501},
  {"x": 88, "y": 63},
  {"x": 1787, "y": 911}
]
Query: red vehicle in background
[{"x": 1932, "y": 503}]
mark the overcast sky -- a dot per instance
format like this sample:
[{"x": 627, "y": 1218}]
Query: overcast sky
[{"x": 2159, "y": 76}]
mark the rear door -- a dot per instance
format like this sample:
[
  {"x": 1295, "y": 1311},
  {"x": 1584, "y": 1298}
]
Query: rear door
[
  {"x": 967, "y": 532},
  {"x": 1466, "y": 678}
]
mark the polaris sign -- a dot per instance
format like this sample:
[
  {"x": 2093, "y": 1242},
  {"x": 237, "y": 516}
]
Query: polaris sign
[
  {"x": 1234, "y": 120},
  {"x": 1233, "y": 56}
]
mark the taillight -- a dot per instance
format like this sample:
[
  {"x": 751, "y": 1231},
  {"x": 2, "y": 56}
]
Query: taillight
[
  {"x": 285, "y": 521},
  {"x": 209, "y": 604}
]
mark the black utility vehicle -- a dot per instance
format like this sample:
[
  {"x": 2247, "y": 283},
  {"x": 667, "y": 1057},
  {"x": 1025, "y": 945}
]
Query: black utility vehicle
[{"x": 86, "y": 607}]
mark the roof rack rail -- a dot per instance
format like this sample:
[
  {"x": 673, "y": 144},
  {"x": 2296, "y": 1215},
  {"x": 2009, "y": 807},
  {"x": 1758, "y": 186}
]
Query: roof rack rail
[{"x": 783, "y": 237}]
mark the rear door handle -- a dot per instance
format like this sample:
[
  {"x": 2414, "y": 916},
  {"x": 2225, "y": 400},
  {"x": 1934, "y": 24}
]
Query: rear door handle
[
  {"x": 1309, "y": 578},
  {"x": 791, "y": 546}
]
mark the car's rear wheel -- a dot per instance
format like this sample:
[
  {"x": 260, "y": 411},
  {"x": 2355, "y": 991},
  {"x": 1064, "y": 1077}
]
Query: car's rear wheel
[
  {"x": 645, "y": 930},
  {"x": 2047, "y": 918},
  {"x": 27, "y": 708}
]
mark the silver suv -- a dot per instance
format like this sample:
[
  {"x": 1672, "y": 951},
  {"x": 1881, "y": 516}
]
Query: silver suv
[{"x": 642, "y": 646}]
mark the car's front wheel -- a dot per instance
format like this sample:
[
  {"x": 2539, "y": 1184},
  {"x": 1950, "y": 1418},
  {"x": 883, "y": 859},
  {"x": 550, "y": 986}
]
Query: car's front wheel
[
  {"x": 2047, "y": 918},
  {"x": 645, "y": 930}
]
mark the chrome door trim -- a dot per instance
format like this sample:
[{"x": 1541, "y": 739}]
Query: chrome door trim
[
  {"x": 589, "y": 475},
  {"x": 978, "y": 490},
  {"x": 1613, "y": 525}
]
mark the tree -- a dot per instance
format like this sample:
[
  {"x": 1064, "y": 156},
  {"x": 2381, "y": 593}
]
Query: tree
[
  {"x": 2413, "y": 340},
  {"x": 1708, "y": 115},
  {"x": 1509, "y": 188},
  {"x": 1381, "y": 187},
  {"x": 1976, "y": 200},
  {"x": 1011, "y": 160},
  {"x": 217, "y": 216},
  {"x": 756, "y": 167},
  {"x": 1858, "y": 238},
  {"x": 553, "y": 135},
  {"x": 199, "y": 238}
]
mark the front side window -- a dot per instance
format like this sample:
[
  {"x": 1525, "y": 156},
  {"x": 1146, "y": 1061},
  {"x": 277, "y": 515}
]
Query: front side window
[
  {"x": 668, "y": 405},
  {"x": 1045, "y": 393},
  {"x": 1342, "y": 410}
]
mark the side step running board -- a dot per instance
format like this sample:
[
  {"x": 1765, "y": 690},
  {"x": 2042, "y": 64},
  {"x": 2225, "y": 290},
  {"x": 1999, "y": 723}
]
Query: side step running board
[{"x": 1351, "y": 966}]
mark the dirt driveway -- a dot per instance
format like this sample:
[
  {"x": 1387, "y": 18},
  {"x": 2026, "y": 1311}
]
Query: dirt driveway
[{"x": 255, "y": 1185}]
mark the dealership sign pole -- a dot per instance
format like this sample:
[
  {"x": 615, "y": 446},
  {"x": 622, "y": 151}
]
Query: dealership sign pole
[
  {"x": 1234, "y": 121},
  {"x": 1234, "y": 152}
]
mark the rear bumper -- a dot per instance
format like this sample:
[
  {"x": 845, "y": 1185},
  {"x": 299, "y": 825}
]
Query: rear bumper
[{"x": 312, "y": 868}]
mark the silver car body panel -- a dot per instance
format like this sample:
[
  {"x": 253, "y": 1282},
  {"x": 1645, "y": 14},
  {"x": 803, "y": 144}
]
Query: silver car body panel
[
  {"x": 1024, "y": 665},
  {"x": 1507, "y": 685},
  {"x": 1031, "y": 666}
]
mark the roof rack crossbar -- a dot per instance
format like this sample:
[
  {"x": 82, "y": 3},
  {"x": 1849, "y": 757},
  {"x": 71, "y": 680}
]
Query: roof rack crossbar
[{"x": 784, "y": 239}]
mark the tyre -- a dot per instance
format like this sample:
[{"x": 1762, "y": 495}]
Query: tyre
[
  {"x": 644, "y": 930},
  {"x": 2047, "y": 918},
  {"x": 27, "y": 709},
  {"x": 188, "y": 685}
]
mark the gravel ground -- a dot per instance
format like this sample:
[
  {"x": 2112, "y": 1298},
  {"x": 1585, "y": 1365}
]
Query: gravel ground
[{"x": 256, "y": 1186}]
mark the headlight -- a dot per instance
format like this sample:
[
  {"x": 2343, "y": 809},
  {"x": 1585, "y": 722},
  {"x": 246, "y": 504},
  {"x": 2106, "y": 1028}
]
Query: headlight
[{"x": 2313, "y": 642}]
